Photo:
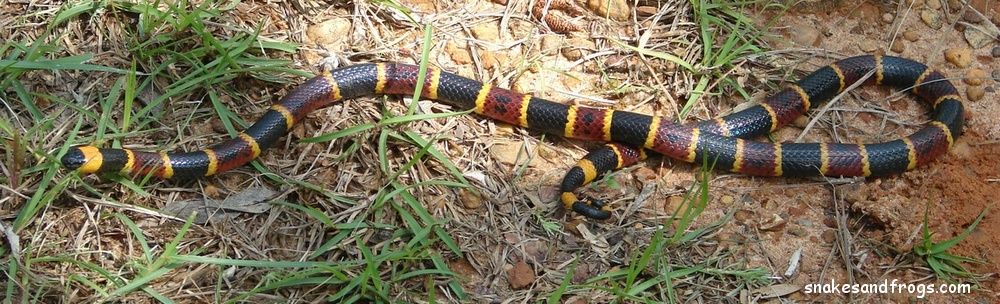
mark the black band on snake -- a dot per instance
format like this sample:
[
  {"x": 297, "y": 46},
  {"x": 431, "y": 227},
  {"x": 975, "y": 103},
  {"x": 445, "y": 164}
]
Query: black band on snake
[{"x": 628, "y": 134}]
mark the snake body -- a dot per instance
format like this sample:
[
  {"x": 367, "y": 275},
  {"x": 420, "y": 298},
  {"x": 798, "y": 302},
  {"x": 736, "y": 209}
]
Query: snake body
[{"x": 720, "y": 140}]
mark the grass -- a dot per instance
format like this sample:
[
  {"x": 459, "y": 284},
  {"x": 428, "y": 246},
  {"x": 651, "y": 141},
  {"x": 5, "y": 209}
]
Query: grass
[{"x": 946, "y": 266}]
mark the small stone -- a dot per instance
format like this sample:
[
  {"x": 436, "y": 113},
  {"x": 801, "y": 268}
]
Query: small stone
[
  {"x": 551, "y": 43},
  {"x": 614, "y": 9},
  {"x": 911, "y": 35},
  {"x": 868, "y": 46},
  {"x": 520, "y": 276},
  {"x": 976, "y": 37},
  {"x": 830, "y": 222},
  {"x": 674, "y": 204},
  {"x": 457, "y": 54},
  {"x": 975, "y": 77},
  {"x": 898, "y": 47},
  {"x": 933, "y": 4},
  {"x": 931, "y": 18},
  {"x": 775, "y": 223},
  {"x": 853, "y": 193},
  {"x": 972, "y": 17},
  {"x": 470, "y": 200},
  {"x": 887, "y": 17},
  {"x": 960, "y": 57},
  {"x": 829, "y": 236},
  {"x": 727, "y": 200},
  {"x": 996, "y": 52},
  {"x": 330, "y": 31},
  {"x": 799, "y": 232},
  {"x": 796, "y": 211},
  {"x": 486, "y": 31},
  {"x": 975, "y": 93},
  {"x": 743, "y": 216},
  {"x": 804, "y": 34},
  {"x": 578, "y": 48},
  {"x": 995, "y": 74}
]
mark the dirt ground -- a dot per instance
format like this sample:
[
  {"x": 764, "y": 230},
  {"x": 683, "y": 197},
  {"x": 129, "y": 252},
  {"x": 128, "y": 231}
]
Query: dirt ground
[{"x": 846, "y": 230}]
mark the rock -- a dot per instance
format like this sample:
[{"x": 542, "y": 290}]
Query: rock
[
  {"x": 995, "y": 74},
  {"x": 933, "y": 4},
  {"x": 931, "y": 18},
  {"x": 579, "y": 47},
  {"x": 727, "y": 200},
  {"x": 887, "y": 17},
  {"x": 804, "y": 34},
  {"x": 551, "y": 44},
  {"x": 972, "y": 17},
  {"x": 743, "y": 216},
  {"x": 911, "y": 35},
  {"x": 974, "y": 93},
  {"x": 486, "y": 31},
  {"x": 960, "y": 57},
  {"x": 868, "y": 46},
  {"x": 975, "y": 77},
  {"x": 674, "y": 204},
  {"x": 976, "y": 38},
  {"x": 898, "y": 47},
  {"x": 330, "y": 31},
  {"x": 614, "y": 9},
  {"x": 470, "y": 200},
  {"x": 829, "y": 236},
  {"x": 996, "y": 52},
  {"x": 520, "y": 276},
  {"x": 775, "y": 223},
  {"x": 457, "y": 54}
]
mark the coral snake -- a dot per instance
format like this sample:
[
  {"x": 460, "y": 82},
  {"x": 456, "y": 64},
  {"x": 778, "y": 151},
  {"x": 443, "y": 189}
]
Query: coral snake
[{"x": 628, "y": 134}]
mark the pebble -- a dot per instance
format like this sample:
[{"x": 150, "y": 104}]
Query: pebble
[
  {"x": 977, "y": 38},
  {"x": 931, "y": 18},
  {"x": 775, "y": 223},
  {"x": 996, "y": 52},
  {"x": 743, "y": 216},
  {"x": 799, "y": 232},
  {"x": 551, "y": 44},
  {"x": 975, "y": 77},
  {"x": 674, "y": 204},
  {"x": 995, "y": 74},
  {"x": 972, "y": 17},
  {"x": 911, "y": 36},
  {"x": 487, "y": 31},
  {"x": 615, "y": 9},
  {"x": 960, "y": 57},
  {"x": 868, "y": 46},
  {"x": 470, "y": 200},
  {"x": 975, "y": 93},
  {"x": 579, "y": 47},
  {"x": 330, "y": 31},
  {"x": 520, "y": 276},
  {"x": 804, "y": 34},
  {"x": 898, "y": 47},
  {"x": 933, "y": 4},
  {"x": 887, "y": 17},
  {"x": 829, "y": 236},
  {"x": 457, "y": 54}
]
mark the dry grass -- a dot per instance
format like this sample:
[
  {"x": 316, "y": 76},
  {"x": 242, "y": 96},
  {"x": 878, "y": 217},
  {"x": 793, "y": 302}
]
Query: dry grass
[{"x": 421, "y": 211}]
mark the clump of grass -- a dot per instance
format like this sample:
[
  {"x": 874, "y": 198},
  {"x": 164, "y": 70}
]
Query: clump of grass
[{"x": 946, "y": 266}]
